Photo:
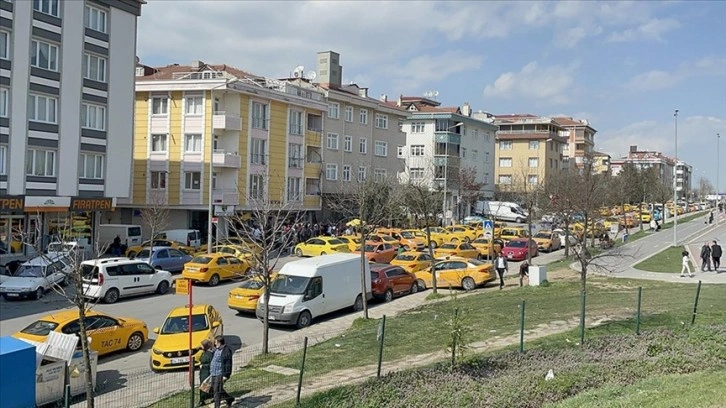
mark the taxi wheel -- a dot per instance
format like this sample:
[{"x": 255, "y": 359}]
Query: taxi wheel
[
  {"x": 468, "y": 284},
  {"x": 454, "y": 239},
  {"x": 298, "y": 253},
  {"x": 467, "y": 239},
  {"x": 421, "y": 284},
  {"x": 433, "y": 244},
  {"x": 136, "y": 341},
  {"x": 214, "y": 280},
  {"x": 323, "y": 253}
]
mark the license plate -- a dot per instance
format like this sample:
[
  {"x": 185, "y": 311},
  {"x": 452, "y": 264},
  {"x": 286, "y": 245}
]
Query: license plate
[
  {"x": 239, "y": 296},
  {"x": 180, "y": 360},
  {"x": 509, "y": 256},
  {"x": 12, "y": 294},
  {"x": 271, "y": 317}
]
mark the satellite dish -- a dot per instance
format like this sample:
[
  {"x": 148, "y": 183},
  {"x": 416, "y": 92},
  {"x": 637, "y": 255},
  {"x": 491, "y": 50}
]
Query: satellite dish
[
  {"x": 298, "y": 71},
  {"x": 436, "y": 93},
  {"x": 311, "y": 75}
]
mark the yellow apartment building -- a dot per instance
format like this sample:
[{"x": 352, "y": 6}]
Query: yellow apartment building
[
  {"x": 528, "y": 149},
  {"x": 600, "y": 163},
  {"x": 261, "y": 136}
]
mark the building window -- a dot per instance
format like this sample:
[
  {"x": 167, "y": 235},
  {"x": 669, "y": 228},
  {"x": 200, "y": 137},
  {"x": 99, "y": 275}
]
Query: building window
[
  {"x": 346, "y": 173},
  {"x": 334, "y": 110},
  {"x": 379, "y": 175},
  {"x": 4, "y": 102},
  {"x": 532, "y": 179},
  {"x": 94, "y": 68},
  {"x": 90, "y": 166},
  {"x": 505, "y": 179},
  {"x": 4, "y": 45},
  {"x": 417, "y": 173},
  {"x": 44, "y": 55},
  {"x": 463, "y": 152},
  {"x": 158, "y": 180},
  {"x": 3, "y": 159},
  {"x": 159, "y": 106},
  {"x": 401, "y": 151},
  {"x": 505, "y": 162},
  {"x": 259, "y": 116},
  {"x": 258, "y": 152},
  {"x": 295, "y": 155},
  {"x": 294, "y": 189},
  {"x": 40, "y": 163},
  {"x": 381, "y": 121},
  {"x": 417, "y": 150},
  {"x": 192, "y": 180},
  {"x": 364, "y": 116},
  {"x": 476, "y": 133},
  {"x": 533, "y": 162},
  {"x": 362, "y": 173},
  {"x": 348, "y": 113},
  {"x": 331, "y": 171},
  {"x": 46, "y": 7},
  {"x": 193, "y": 105},
  {"x": 381, "y": 149},
  {"x": 505, "y": 145},
  {"x": 42, "y": 109},
  {"x": 348, "y": 143},
  {"x": 418, "y": 127},
  {"x": 486, "y": 157},
  {"x": 193, "y": 143},
  {"x": 159, "y": 143},
  {"x": 332, "y": 141},
  {"x": 296, "y": 123},
  {"x": 533, "y": 144},
  {"x": 363, "y": 145},
  {"x": 93, "y": 117},
  {"x": 257, "y": 186},
  {"x": 95, "y": 19}
]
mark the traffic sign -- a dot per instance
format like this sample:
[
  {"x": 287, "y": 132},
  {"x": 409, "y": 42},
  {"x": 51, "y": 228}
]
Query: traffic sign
[
  {"x": 182, "y": 286},
  {"x": 488, "y": 225},
  {"x": 488, "y": 234}
]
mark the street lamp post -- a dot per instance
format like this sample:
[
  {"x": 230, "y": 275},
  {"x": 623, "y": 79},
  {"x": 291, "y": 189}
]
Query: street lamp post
[
  {"x": 446, "y": 175},
  {"x": 718, "y": 170},
  {"x": 675, "y": 191}
]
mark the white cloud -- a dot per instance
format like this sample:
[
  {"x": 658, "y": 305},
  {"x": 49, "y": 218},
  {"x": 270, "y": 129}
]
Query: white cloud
[
  {"x": 427, "y": 69},
  {"x": 551, "y": 84},
  {"x": 656, "y": 80},
  {"x": 652, "y": 30}
]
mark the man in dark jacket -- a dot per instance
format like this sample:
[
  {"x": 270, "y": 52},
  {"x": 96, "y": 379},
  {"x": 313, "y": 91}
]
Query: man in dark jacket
[
  {"x": 221, "y": 370},
  {"x": 716, "y": 255},
  {"x": 705, "y": 257},
  {"x": 500, "y": 264}
]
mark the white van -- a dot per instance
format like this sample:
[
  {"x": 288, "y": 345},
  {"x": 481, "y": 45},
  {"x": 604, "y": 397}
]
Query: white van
[
  {"x": 189, "y": 237},
  {"x": 507, "y": 211},
  {"x": 108, "y": 279},
  {"x": 130, "y": 234},
  {"x": 308, "y": 288}
]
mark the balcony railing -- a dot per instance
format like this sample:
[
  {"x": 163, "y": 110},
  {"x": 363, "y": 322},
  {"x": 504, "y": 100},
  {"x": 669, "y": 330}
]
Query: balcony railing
[
  {"x": 222, "y": 158},
  {"x": 222, "y": 120},
  {"x": 295, "y": 163},
  {"x": 448, "y": 137}
]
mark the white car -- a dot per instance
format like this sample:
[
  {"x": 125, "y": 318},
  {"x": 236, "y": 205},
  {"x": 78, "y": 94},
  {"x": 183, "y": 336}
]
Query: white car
[
  {"x": 109, "y": 279},
  {"x": 572, "y": 239},
  {"x": 37, "y": 276}
]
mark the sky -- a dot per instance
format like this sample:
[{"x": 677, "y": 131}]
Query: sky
[{"x": 623, "y": 66}]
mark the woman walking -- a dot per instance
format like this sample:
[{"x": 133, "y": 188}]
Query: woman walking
[
  {"x": 205, "y": 360},
  {"x": 686, "y": 266}
]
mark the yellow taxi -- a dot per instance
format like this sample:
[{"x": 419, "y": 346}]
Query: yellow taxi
[
  {"x": 457, "y": 272},
  {"x": 463, "y": 232},
  {"x": 604, "y": 211},
  {"x": 609, "y": 222},
  {"x": 418, "y": 235},
  {"x": 510, "y": 233},
  {"x": 107, "y": 333},
  {"x": 244, "y": 297},
  {"x": 412, "y": 261},
  {"x": 629, "y": 221},
  {"x": 462, "y": 249},
  {"x": 406, "y": 239},
  {"x": 351, "y": 241},
  {"x": 547, "y": 241},
  {"x": 645, "y": 216},
  {"x": 171, "y": 347},
  {"x": 321, "y": 246},
  {"x": 132, "y": 251},
  {"x": 239, "y": 252},
  {"x": 213, "y": 268},
  {"x": 387, "y": 239},
  {"x": 487, "y": 247},
  {"x": 439, "y": 236}
]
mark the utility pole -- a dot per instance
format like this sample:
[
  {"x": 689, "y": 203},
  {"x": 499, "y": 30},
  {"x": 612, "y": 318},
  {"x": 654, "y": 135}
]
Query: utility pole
[
  {"x": 675, "y": 177},
  {"x": 718, "y": 170}
]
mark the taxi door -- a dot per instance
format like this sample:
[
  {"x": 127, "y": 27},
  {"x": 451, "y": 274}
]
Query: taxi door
[{"x": 105, "y": 334}]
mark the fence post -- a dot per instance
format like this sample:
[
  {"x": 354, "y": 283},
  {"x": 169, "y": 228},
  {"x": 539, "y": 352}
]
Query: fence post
[
  {"x": 637, "y": 313},
  {"x": 521, "y": 328},
  {"x": 302, "y": 371},
  {"x": 381, "y": 337},
  {"x": 582, "y": 318},
  {"x": 454, "y": 338},
  {"x": 67, "y": 396},
  {"x": 695, "y": 304}
]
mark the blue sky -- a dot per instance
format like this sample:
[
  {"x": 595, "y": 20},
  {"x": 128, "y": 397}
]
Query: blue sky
[{"x": 624, "y": 66}]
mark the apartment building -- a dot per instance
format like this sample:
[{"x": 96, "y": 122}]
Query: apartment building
[
  {"x": 684, "y": 176},
  {"x": 529, "y": 148},
  {"x": 261, "y": 137},
  {"x": 664, "y": 165},
  {"x": 580, "y": 140},
  {"x": 442, "y": 143},
  {"x": 600, "y": 163},
  {"x": 66, "y": 103},
  {"x": 362, "y": 134}
]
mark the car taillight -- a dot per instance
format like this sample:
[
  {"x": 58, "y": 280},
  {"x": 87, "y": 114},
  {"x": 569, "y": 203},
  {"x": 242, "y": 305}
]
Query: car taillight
[
  {"x": 254, "y": 297},
  {"x": 100, "y": 279},
  {"x": 203, "y": 269}
]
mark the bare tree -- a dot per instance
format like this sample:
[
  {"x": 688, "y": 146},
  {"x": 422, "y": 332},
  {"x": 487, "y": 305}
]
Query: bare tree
[
  {"x": 470, "y": 189},
  {"x": 705, "y": 187},
  {"x": 155, "y": 215},
  {"x": 372, "y": 201},
  {"x": 265, "y": 232}
]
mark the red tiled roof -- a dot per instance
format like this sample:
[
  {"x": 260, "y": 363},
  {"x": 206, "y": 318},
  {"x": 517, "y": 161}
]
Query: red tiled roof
[
  {"x": 563, "y": 121},
  {"x": 515, "y": 116},
  {"x": 436, "y": 109},
  {"x": 530, "y": 136},
  {"x": 167, "y": 72}
]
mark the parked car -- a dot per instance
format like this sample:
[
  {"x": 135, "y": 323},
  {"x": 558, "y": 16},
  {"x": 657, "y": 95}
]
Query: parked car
[
  {"x": 378, "y": 252},
  {"x": 388, "y": 281},
  {"x": 213, "y": 268},
  {"x": 462, "y": 249},
  {"x": 487, "y": 247},
  {"x": 321, "y": 246},
  {"x": 109, "y": 279},
  {"x": 244, "y": 298},
  {"x": 565, "y": 237},
  {"x": 35, "y": 277},
  {"x": 412, "y": 261},
  {"x": 168, "y": 259},
  {"x": 516, "y": 249},
  {"x": 547, "y": 241},
  {"x": 457, "y": 272},
  {"x": 132, "y": 252}
]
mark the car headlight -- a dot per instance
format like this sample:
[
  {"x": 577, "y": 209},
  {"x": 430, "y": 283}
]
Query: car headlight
[
  {"x": 156, "y": 351},
  {"x": 288, "y": 308}
]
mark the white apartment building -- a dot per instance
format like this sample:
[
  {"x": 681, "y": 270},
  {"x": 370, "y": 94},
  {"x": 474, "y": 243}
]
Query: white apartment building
[
  {"x": 441, "y": 142},
  {"x": 66, "y": 101}
]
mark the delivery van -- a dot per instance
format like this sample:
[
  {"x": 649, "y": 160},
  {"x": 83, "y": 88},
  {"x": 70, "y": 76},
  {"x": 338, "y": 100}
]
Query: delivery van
[
  {"x": 189, "y": 237},
  {"x": 311, "y": 287},
  {"x": 507, "y": 211},
  {"x": 130, "y": 235}
]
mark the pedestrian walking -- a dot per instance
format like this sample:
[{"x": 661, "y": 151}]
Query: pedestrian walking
[
  {"x": 685, "y": 265},
  {"x": 220, "y": 368},
  {"x": 710, "y": 217},
  {"x": 205, "y": 382},
  {"x": 705, "y": 257},
  {"x": 500, "y": 263},
  {"x": 523, "y": 272},
  {"x": 716, "y": 255}
]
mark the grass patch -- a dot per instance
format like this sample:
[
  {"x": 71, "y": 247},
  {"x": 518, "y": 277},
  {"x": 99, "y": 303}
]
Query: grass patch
[
  {"x": 434, "y": 296},
  {"x": 668, "y": 261}
]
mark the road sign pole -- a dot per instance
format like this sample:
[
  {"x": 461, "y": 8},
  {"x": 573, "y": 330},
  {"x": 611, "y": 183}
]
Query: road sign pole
[{"x": 191, "y": 357}]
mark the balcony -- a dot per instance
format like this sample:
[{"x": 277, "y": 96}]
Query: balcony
[
  {"x": 450, "y": 161},
  {"x": 221, "y": 196},
  {"x": 222, "y": 158},
  {"x": 313, "y": 137},
  {"x": 448, "y": 137},
  {"x": 226, "y": 121}
]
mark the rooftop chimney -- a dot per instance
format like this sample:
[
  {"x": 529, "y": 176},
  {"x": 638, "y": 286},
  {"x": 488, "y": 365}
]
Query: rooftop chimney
[
  {"x": 363, "y": 92},
  {"x": 197, "y": 64},
  {"x": 384, "y": 98},
  {"x": 329, "y": 69},
  {"x": 633, "y": 149},
  {"x": 466, "y": 109},
  {"x": 400, "y": 101}
]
